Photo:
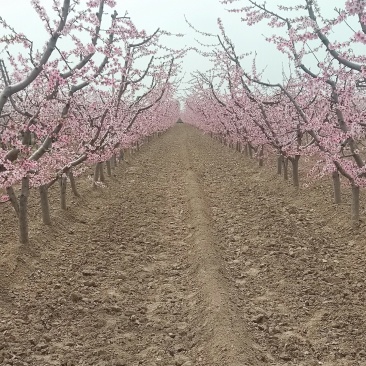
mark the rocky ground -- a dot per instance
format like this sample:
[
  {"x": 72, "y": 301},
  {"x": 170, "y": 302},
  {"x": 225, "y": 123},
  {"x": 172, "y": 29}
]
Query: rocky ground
[{"x": 191, "y": 256}]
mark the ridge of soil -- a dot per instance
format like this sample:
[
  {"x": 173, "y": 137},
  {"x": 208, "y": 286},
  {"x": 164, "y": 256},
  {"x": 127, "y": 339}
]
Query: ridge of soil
[{"x": 191, "y": 256}]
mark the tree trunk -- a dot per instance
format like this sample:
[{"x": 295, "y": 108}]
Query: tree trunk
[
  {"x": 23, "y": 212},
  {"x": 114, "y": 160},
  {"x": 285, "y": 168},
  {"x": 355, "y": 203},
  {"x": 246, "y": 153},
  {"x": 45, "y": 207},
  {"x": 73, "y": 184},
  {"x": 63, "y": 184},
  {"x": 121, "y": 155},
  {"x": 109, "y": 170},
  {"x": 27, "y": 138},
  {"x": 279, "y": 164},
  {"x": 261, "y": 162},
  {"x": 238, "y": 149},
  {"x": 295, "y": 170},
  {"x": 101, "y": 172},
  {"x": 250, "y": 151},
  {"x": 13, "y": 199},
  {"x": 96, "y": 174},
  {"x": 336, "y": 187}
]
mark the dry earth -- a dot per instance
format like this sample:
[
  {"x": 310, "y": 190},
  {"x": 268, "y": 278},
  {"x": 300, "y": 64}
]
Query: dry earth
[{"x": 191, "y": 256}]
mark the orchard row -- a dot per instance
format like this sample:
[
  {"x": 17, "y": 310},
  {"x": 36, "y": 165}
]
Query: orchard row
[
  {"x": 98, "y": 86},
  {"x": 318, "y": 111}
]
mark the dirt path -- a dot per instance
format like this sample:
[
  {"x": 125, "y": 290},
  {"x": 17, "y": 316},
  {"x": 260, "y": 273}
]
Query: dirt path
[
  {"x": 190, "y": 257},
  {"x": 229, "y": 342}
]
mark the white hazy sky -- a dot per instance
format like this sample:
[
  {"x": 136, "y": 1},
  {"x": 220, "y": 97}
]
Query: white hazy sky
[{"x": 169, "y": 15}]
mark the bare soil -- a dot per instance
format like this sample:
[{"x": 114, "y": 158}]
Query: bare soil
[{"x": 192, "y": 255}]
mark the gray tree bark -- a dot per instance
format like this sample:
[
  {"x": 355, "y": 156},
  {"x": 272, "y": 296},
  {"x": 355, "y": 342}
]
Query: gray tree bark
[
  {"x": 13, "y": 199},
  {"x": 295, "y": 170},
  {"x": 238, "y": 146},
  {"x": 250, "y": 151},
  {"x": 109, "y": 170},
  {"x": 114, "y": 161},
  {"x": 336, "y": 187},
  {"x": 63, "y": 184},
  {"x": 355, "y": 203},
  {"x": 23, "y": 212},
  {"x": 261, "y": 151},
  {"x": 279, "y": 164},
  {"x": 101, "y": 172},
  {"x": 285, "y": 168},
  {"x": 246, "y": 153},
  {"x": 45, "y": 207},
  {"x": 73, "y": 184},
  {"x": 96, "y": 174}
]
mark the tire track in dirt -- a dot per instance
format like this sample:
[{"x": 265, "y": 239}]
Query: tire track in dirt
[{"x": 229, "y": 342}]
